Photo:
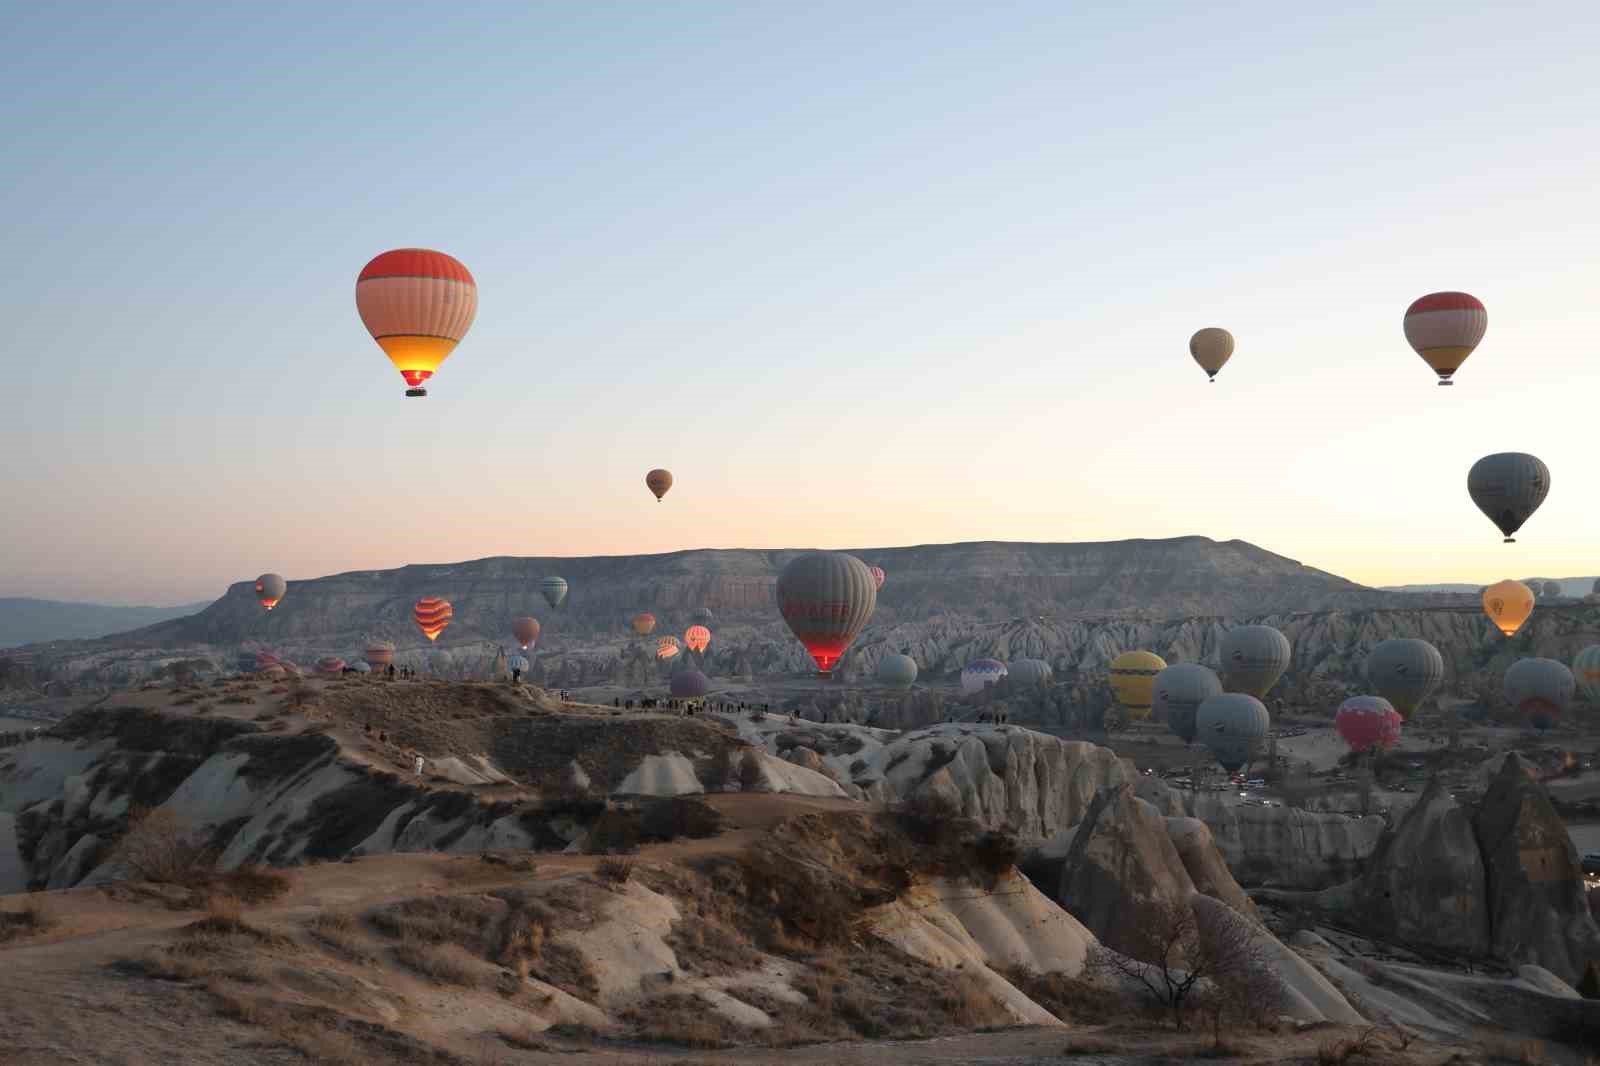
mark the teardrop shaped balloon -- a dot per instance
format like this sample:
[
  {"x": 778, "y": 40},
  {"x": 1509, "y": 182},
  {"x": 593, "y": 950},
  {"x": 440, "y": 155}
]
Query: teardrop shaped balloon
[
  {"x": 554, "y": 590},
  {"x": 1133, "y": 679},
  {"x": 518, "y": 662},
  {"x": 1253, "y": 658},
  {"x": 379, "y": 654},
  {"x": 1508, "y": 604},
  {"x": 690, "y": 685},
  {"x": 979, "y": 674},
  {"x": 417, "y": 304},
  {"x": 877, "y": 575},
  {"x": 330, "y": 666},
  {"x": 1179, "y": 691},
  {"x": 666, "y": 647},
  {"x": 1405, "y": 672},
  {"x": 1029, "y": 673},
  {"x": 432, "y": 615},
  {"x": 1508, "y": 487},
  {"x": 1444, "y": 328},
  {"x": 826, "y": 598},
  {"x": 644, "y": 623},
  {"x": 526, "y": 630},
  {"x": 1586, "y": 672},
  {"x": 1211, "y": 347},
  {"x": 697, "y": 638},
  {"x": 1368, "y": 723},
  {"x": 1232, "y": 725},
  {"x": 701, "y": 616},
  {"x": 658, "y": 481},
  {"x": 1540, "y": 689},
  {"x": 270, "y": 589},
  {"x": 899, "y": 671},
  {"x": 1550, "y": 590}
]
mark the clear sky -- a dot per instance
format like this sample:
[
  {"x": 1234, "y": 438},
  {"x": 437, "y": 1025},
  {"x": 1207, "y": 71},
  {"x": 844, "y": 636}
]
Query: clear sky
[{"x": 859, "y": 274}]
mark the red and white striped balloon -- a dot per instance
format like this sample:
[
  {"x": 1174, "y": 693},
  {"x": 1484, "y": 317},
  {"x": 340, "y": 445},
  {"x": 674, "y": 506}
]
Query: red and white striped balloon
[{"x": 1444, "y": 328}]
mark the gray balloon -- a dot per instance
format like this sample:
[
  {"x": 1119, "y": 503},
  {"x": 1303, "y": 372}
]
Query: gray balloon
[
  {"x": 826, "y": 598},
  {"x": 1551, "y": 589},
  {"x": 897, "y": 670},
  {"x": 1180, "y": 689},
  {"x": 1596, "y": 587},
  {"x": 690, "y": 684},
  {"x": 701, "y": 616},
  {"x": 1253, "y": 658},
  {"x": 1405, "y": 672},
  {"x": 1508, "y": 487},
  {"x": 1540, "y": 689},
  {"x": 555, "y": 590},
  {"x": 1030, "y": 673},
  {"x": 1232, "y": 725},
  {"x": 361, "y": 667}
]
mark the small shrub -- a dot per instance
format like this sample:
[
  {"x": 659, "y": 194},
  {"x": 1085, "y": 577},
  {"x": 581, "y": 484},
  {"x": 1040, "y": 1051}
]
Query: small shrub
[
  {"x": 255, "y": 883},
  {"x": 614, "y": 831},
  {"x": 749, "y": 772},
  {"x": 445, "y": 963},
  {"x": 997, "y": 852},
  {"x": 615, "y": 870},
  {"x": 236, "y": 697},
  {"x": 685, "y": 1020},
  {"x": 30, "y": 920},
  {"x": 929, "y": 818},
  {"x": 159, "y": 847},
  {"x": 342, "y": 932}
]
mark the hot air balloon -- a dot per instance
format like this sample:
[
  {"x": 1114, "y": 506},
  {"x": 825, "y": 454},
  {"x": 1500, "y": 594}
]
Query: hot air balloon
[
  {"x": 877, "y": 575},
  {"x": 1253, "y": 658},
  {"x": 690, "y": 685},
  {"x": 1540, "y": 689},
  {"x": 379, "y": 654},
  {"x": 432, "y": 615},
  {"x": 1405, "y": 672},
  {"x": 658, "y": 482},
  {"x": 1508, "y": 604},
  {"x": 270, "y": 589},
  {"x": 330, "y": 665},
  {"x": 701, "y": 616},
  {"x": 518, "y": 662},
  {"x": 1133, "y": 678},
  {"x": 1508, "y": 487},
  {"x": 255, "y": 661},
  {"x": 1178, "y": 692},
  {"x": 1029, "y": 673},
  {"x": 826, "y": 598},
  {"x": 1550, "y": 589},
  {"x": 417, "y": 304},
  {"x": 697, "y": 638},
  {"x": 666, "y": 647},
  {"x": 555, "y": 590},
  {"x": 1586, "y": 671},
  {"x": 979, "y": 674},
  {"x": 897, "y": 670},
  {"x": 1368, "y": 723},
  {"x": 1232, "y": 725},
  {"x": 1444, "y": 328},
  {"x": 1211, "y": 348},
  {"x": 360, "y": 667},
  {"x": 644, "y": 623},
  {"x": 526, "y": 631}
]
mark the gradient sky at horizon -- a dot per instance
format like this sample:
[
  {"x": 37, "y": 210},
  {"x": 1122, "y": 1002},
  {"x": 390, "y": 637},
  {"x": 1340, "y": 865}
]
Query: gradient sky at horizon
[{"x": 858, "y": 274}]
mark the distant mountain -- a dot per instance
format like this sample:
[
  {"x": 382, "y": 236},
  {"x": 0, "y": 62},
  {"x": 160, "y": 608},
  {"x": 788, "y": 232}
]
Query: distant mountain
[
  {"x": 1570, "y": 586},
  {"x": 29, "y": 621}
]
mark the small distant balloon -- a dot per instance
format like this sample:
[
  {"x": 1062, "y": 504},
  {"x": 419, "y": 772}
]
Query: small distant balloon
[
  {"x": 701, "y": 616},
  {"x": 330, "y": 666},
  {"x": 1253, "y": 658},
  {"x": 899, "y": 671},
  {"x": 1211, "y": 347},
  {"x": 979, "y": 674},
  {"x": 517, "y": 662},
  {"x": 666, "y": 647},
  {"x": 1179, "y": 691},
  {"x": 644, "y": 623},
  {"x": 270, "y": 589},
  {"x": 697, "y": 638},
  {"x": 1029, "y": 673},
  {"x": 1133, "y": 679},
  {"x": 554, "y": 590},
  {"x": 1508, "y": 487},
  {"x": 1540, "y": 689},
  {"x": 1508, "y": 605},
  {"x": 690, "y": 685},
  {"x": 1368, "y": 723},
  {"x": 526, "y": 631},
  {"x": 658, "y": 481},
  {"x": 1586, "y": 672},
  {"x": 1444, "y": 328},
  {"x": 379, "y": 654},
  {"x": 1550, "y": 589},
  {"x": 877, "y": 575},
  {"x": 432, "y": 615},
  {"x": 1232, "y": 725},
  {"x": 1405, "y": 672}
]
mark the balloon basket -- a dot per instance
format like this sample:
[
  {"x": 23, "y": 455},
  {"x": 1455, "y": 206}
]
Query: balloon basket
[
  {"x": 1442, "y": 384},
  {"x": 416, "y": 392}
]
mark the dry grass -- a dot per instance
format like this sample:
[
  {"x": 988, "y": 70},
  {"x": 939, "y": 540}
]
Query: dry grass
[
  {"x": 254, "y": 883},
  {"x": 524, "y": 1037},
  {"x": 445, "y": 963},
  {"x": 1367, "y": 1045},
  {"x": 30, "y": 919},
  {"x": 1507, "y": 1048},
  {"x": 686, "y": 1021},
  {"x": 614, "y": 870},
  {"x": 342, "y": 933},
  {"x": 464, "y": 920},
  {"x": 1068, "y": 998}
]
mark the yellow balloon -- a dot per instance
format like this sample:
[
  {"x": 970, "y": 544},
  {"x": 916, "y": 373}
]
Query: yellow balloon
[
  {"x": 1508, "y": 604},
  {"x": 1133, "y": 679}
]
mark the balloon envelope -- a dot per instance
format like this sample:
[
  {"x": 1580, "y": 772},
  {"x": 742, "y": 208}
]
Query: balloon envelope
[
  {"x": 666, "y": 647},
  {"x": 697, "y": 638},
  {"x": 270, "y": 589},
  {"x": 877, "y": 575},
  {"x": 1232, "y": 725},
  {"x": 1133, "y": 679},
  {"x": 658, "y": 482},
  {"x": 1368, "y": 723},
  {"x": 330, "y": 665},
  {"x": 361, "y": 667},
  {"x": 417, "y": 304},
  {"x": 1253, "y": 658},
  {"x": 897, "y": 670},
  {"x": 644, "y": 623},
  {"x": 826, "y": 598},
  {"x": 1586, "y": 672},
  {"x": 979, "y": 674},
  {"x": 1444, "y": 328},
  {"x": 1508, "y": 487},
  {"x": 554, "y": 590},
  {"x": 1540, "y": 689},
  {"x": 517, "y": 662},
  {"x": 1211, "y": 347},
  {"x": 380, "y": 654},
  {"x": 1029, "y": 673},
  {"x": 1405, "y": 672},
  {"x": 1550, "y": 589},
  {"x": 432, "y": 615},
  {"x": 690, "y": 684},
  {"x": 526, "y": 631},
  {"x": 701, "y": 616},
  {"x": 1508, "y": 604},
  {"x": 1179, "y": 691}
]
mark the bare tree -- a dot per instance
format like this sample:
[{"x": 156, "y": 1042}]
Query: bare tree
[{"x": 1180, "y": 960}]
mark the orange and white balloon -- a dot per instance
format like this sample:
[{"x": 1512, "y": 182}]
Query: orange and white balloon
[
  {"x": 432, "y": 615},
  {"x": 1444, "y": 328},
  {"x": 698, "y": 638},
  {"x": 417, "y": 304}
]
